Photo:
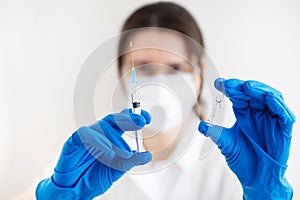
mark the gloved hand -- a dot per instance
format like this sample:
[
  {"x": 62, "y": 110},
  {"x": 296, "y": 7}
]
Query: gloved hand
[
  {"x": 94, "y": 157},
  {"x": 257, "y": 147}
]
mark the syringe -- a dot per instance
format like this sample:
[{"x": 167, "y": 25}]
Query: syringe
[{"x": 135, "y": 101}]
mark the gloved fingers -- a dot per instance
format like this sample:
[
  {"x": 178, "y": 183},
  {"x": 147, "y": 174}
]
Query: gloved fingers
[
  {"x": 144, "y": 113},
  {"x": 113, "y": 135},
  {"x": 272, "y": 98},
  {"x": 219, "y": 135},
  {"x": 73, "y": 154},
  {"x": 90, "y": 145},
  {"x": 93, "y": 140},
  {"x": 123, "y": 151},
  {"x": 279, "y": 108},
  {"x": 97, "y": 143},
  {"x": 258, "y": 90},
  {"x": 233, "y": 89},
  {"x": 125, "y": 121},
  {"x": 114, "y": 125},
  {"x": 101, "y": 148},
  {"x": 257, "y": 104},
  {"x": 72, "y": 144},
  {"x": 125, "y": 164}
]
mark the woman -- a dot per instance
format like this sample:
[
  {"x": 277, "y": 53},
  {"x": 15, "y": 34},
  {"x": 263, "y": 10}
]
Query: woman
[{"x": 255, "y": 148}]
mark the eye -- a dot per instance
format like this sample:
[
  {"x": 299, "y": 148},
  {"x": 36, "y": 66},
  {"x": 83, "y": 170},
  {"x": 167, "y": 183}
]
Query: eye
[
  {"x": 176, "y": 68},
  {"x": 144, "y": 69}
]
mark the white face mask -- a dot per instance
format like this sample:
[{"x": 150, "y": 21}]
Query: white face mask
[{"x": 169, "y": 98}]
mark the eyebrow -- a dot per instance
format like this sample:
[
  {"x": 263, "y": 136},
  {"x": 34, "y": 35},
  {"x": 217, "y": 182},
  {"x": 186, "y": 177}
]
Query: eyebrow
[{"x": 142, "y": 62}]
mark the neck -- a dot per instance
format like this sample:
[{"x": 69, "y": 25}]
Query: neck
[{"x": 162, "y": 144}]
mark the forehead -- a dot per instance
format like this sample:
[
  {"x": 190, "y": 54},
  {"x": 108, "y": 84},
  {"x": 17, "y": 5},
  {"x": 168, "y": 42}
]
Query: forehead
[{"x": 158, "y": 45}]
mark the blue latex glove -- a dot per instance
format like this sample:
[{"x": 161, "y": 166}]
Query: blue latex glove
[
  {"x": 94, "y": 157},
  {"x": 257, "y": 147}
]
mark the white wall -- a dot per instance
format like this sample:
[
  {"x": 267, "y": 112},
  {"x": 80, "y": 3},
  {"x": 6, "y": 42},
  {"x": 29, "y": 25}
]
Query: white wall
[{"x": 44, "y": 43}]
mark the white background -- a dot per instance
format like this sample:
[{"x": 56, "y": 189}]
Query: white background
[{"x": 44, "y": 43}]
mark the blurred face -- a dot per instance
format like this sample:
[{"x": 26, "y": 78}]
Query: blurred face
[
  {"x": 159, "y": 54},
  {"x": 165, "y": 53}
]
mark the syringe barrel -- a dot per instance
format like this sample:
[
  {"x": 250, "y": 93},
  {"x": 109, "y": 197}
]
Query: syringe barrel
[
  {"x": 136, "y": 110},
  {"x": 135, "y": 96},
  {"x": 135, "y": 100}
]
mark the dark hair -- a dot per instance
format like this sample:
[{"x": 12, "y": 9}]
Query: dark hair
[{"x": 166, "y": 15}]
